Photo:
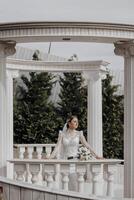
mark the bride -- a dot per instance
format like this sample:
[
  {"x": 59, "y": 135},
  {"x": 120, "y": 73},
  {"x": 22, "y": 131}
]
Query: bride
[
  {"x": 67, "y": 147},
  {"x": 68, "y": 141}
]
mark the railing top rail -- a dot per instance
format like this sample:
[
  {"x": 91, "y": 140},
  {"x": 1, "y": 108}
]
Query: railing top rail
[
  {"x": 35, "y": 145},
  {"x": 56, "y": 161}
]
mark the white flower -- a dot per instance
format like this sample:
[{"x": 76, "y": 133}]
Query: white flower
[{"x": 85, "y": 153}]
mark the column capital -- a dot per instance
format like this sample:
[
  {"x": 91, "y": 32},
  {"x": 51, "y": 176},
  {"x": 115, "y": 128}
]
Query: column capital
[
  {"x": 125, "y": 49},
  {"x": 94, "y": 75},
  {"x": 7, "y": 48},
  {"x": 13, "y": 73}
]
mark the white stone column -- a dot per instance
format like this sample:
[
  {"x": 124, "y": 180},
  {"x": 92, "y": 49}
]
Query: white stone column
[
  {"x": 94, "y": 118},
  {"x": 6, "y": 49},
  {"x": 10, "y": 74},
  {"x": 126, "y": 49}
]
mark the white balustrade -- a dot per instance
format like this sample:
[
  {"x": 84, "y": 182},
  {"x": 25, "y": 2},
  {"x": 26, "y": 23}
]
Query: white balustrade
[
  {"x": 58, "y": 174},
  {"x": 32, "y": 151}
]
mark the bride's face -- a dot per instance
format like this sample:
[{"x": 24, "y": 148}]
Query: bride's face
[{"x": 73, "y": 124}]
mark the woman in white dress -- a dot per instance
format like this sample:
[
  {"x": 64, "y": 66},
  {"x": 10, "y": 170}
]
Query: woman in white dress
[
  {"x": 68, "y": 141},
  {"x": 67, "y": 147}
]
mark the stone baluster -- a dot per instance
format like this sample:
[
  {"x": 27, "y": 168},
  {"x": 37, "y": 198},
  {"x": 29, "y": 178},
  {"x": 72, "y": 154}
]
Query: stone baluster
[
  {"x": 39, "y": 152},
  {"x": 65, "y": 176},
  {"x": 40, "y": 175},
  {"x": 81, "y": 181},
  {"x": 30, "y": 152},
  {"x": 96, "y": 172},
  {"x": 81, "y": 170},
  {"x": 57, "y": 175},
  {"x": 28, "y": 175},
  {"x": 49, "y": 170},
  {"x": 65, "y": 180},
  {"x": 20, "y": 176},
  {"x": 50, "y": 179},
  {"x": 20, "y": 170},
  {"x": 34, "y": 169},
  {"x": 48, "y": 151},
  {"x": 21, "y": 152},
  {"x": 88, "y": 173},
  {"x": 34, "y": 178},
  {"x": 110, "y": 179}
]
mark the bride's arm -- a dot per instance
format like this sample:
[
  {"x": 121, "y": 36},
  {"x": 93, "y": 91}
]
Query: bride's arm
[
  {"x": 85, "y": 143},
  {"x": 57, "y": 147}
]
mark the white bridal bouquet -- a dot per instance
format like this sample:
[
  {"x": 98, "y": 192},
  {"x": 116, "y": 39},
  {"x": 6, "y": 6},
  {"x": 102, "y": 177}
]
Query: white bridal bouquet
[{"x": 85, "y": 154}]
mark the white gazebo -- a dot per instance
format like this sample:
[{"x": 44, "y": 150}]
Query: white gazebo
[{"x": 120, "y": 35}]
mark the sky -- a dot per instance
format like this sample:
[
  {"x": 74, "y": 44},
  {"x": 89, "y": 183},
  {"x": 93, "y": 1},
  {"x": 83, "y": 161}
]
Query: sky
[{"x": 113, "y": 11}]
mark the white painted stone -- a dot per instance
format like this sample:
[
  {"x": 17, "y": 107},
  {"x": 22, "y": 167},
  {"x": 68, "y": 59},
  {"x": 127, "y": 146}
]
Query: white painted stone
[
  {"x": 94, "y": 117},
  {"x": 10, "y": 74},
  {"x": 62, "y": 31},
  {"x": 97, "y": 183},
  {"x": 6, "y": 49},
  {"x": 38, "y": 195},
  {"x": 26, "y": 194},
  {"x": 126, "y": 49},
  {"x": 14, "y": 193}
]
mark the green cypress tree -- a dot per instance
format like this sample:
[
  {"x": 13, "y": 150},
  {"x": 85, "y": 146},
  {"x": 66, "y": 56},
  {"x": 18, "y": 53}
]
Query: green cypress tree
[
  {"x": 112, "y": 120},
  {"x": 73, "y": 99},
  {"x": 34, "y": 119},
  {"x": 34, "y": 113}
]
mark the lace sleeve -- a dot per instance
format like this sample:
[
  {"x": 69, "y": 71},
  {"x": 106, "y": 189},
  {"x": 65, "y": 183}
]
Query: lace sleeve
[
  {"x": 85, "y": 143},
  {"x": 57, "y": 148}
]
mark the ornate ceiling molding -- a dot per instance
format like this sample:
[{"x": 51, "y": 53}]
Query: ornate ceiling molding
[{"x": 66, "y": 31}]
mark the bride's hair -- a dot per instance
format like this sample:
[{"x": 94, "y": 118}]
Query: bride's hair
[
  {"x": 70, "y": 119},
  {"x": 66, "y": 125}
]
